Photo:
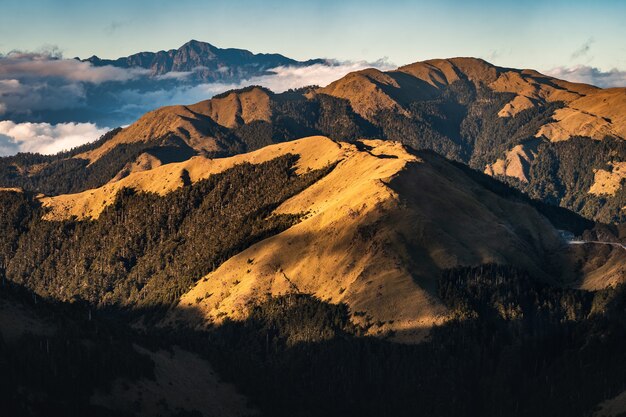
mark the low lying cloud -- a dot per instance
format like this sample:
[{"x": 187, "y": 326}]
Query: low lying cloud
[
  {"x": 29, "y": 65},
  {"x": 45, "y": 138},
  {"x": 32, "y": 81},
  {"x": 284, "y": 78},
  {"x": 24, "y": 97},
  {"x": 590, "y": 75},
  {"x": 184, "y": 75},
  {"x": 279, "y": 80}
]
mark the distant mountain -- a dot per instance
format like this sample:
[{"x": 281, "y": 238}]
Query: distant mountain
[
  {"x": 203, "y": 61},
  {"x": 137, "y": 84}
]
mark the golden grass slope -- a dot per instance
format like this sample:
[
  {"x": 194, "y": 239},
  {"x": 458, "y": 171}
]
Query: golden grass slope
[
  {"x": 515, "y": 164},
  {"x": 365, "y": 92},
  {"x": 441, "y": 72},
  {"x": 379, "y": 229},
  {"x": 11, "y": 190},
  {"x": 530, "y": 87},
  {"x": 597, "y": 115},
  {"x": 315, "y": 153},
  {"x": 144, "y": 162},
  {"x": 609, "y": 182},
  {"x": 236, "y": 108}
]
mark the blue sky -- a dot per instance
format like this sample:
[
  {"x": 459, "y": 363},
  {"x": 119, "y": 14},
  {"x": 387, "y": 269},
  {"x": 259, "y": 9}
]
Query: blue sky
[{"x": 528, "y": 34}]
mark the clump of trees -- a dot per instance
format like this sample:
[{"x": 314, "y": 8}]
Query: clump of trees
[
  {"x": 514, "y": 347},
  {"x": 563, "y": 172}
]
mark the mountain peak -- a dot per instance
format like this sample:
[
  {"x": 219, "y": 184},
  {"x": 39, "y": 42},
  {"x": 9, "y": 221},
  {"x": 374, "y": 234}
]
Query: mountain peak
[{"x": 198, "y": 45}]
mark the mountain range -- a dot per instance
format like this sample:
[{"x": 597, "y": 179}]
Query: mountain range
[
  {"x": 559, "y": 142},
  {"x": 201, "y": 61},
  {"x": 41, "y": 88},
  {"x": 446, "y": 238}
]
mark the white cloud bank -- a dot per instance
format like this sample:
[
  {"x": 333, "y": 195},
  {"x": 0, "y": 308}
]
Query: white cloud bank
[
  {"x": 45, "y": 138},
  {"x": 590, "y": 75},
  {"x": 284, "y": 78},
  {"x": 43, "y": 65},
  {"x": 32, "y": 81},
  {"x": 281, "y": 79}
]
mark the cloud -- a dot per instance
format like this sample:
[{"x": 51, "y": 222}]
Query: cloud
[
  {"x": 590, "y": 75},
  {"x": 284, "y": 78},
  {"x": 45, "y": 138},
  {"x": 32, "y": 81},
  {"x": 279, "y": 80},
  {"x": 184, "y": 75},
  {"x": 25, "y": 97},
  {"x": 112, "y": 27},
  {"x": 29, "y": 65},
  {"x": 8, "y": 146},
  {"x": 583, "y": 50}
]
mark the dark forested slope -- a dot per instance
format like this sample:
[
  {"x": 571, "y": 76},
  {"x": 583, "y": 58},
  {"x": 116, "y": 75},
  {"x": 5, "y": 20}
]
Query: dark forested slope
[{"x": 145, "y": 250}]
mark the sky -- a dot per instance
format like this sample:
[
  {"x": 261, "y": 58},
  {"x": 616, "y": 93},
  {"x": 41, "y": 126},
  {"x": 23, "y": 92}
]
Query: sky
[
  {"x": 581, "y": 41},
  {"x": 529, "y": 34}
]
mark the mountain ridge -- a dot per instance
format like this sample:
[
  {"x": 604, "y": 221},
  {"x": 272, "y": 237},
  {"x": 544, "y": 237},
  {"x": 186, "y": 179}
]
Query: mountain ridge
[
  {"x": 204, "y": 61},
  {"x": 385, "y": 218}
]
